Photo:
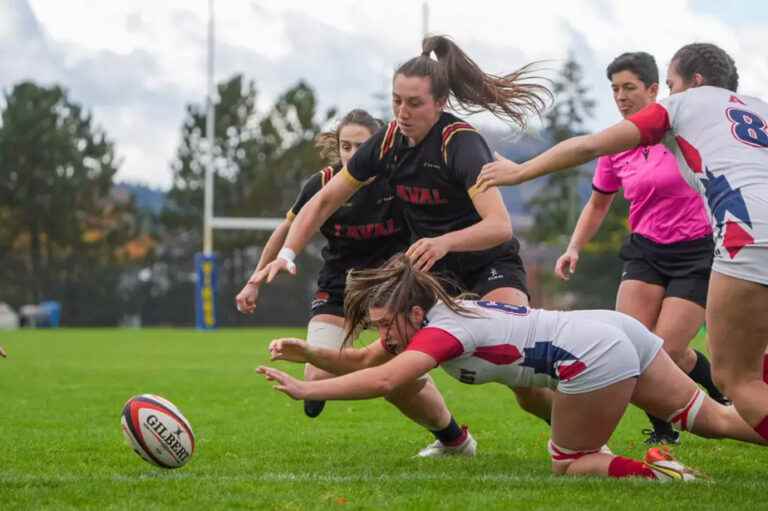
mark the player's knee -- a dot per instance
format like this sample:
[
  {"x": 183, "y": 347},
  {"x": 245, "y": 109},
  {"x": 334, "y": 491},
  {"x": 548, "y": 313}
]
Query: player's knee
[
  {"x": 676, "y": 353},
  {"x": 560, "y": 468}
]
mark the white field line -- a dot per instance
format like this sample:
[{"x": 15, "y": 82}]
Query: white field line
[{"x": 276, "y": 477}]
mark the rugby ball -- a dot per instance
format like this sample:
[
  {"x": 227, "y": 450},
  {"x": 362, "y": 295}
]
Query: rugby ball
[{"x": 157, "y": 431}]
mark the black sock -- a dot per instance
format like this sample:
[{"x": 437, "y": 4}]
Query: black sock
[
  {"x": 702, "y": 374},
  {"x": 660, "y": 426},
  {"x": 449, "y": 434}
]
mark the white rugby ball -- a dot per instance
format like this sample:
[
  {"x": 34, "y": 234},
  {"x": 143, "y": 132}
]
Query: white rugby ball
[{"x": 157, "y": 431}]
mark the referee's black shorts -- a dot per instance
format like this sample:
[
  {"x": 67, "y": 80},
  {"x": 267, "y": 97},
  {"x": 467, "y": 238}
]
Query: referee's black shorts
[{"x": 682, "y": 268}]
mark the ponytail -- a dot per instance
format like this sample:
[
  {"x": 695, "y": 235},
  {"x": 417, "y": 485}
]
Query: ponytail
[{"x": 458, "y": 80}]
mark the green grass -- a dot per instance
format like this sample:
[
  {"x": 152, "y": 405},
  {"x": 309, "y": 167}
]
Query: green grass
[{"x": 61, "y": 447}]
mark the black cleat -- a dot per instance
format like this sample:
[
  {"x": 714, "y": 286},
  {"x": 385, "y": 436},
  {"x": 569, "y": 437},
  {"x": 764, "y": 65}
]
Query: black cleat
[
  {"x": 313, "y": 408},
  {"x": 661, "y": 438}
]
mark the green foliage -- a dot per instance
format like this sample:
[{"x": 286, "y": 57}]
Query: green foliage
[
  {"x": 62, "y": 447},
  {"x": 260, "y": 160},
  {"x": 555, "y": 207},
  {"x": 61, "y": 230}
]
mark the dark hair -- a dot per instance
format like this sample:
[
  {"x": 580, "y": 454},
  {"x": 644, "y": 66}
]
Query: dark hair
[
  {"x": 640, "y": 63},
  {"x": 712, "y": 62},
  {"x": 396, "y": 286},
  {"x": 327, "y": 142},
  {"x": 457, "y": 79}
]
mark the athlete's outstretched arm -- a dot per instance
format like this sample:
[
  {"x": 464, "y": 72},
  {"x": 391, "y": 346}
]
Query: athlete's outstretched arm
[
  {"x": 334, "y": 361},
  {"x": 246, "y": 298},
  {"x": 369, "y": 383},
  {"x": 567, "y": 154},
  {"x": 314, "y": 213}
]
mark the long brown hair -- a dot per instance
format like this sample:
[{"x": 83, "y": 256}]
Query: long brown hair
[
  {"x": 710, "y": 61},
  {"x": 327, "y": 142},
  {"x": 396, "y": 286},
  {"x": 457, "y": 79}
]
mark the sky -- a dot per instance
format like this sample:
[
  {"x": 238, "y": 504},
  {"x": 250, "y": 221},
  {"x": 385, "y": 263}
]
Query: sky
[{"x": 136, "y": 65}]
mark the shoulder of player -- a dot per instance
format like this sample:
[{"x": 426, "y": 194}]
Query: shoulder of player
[{"x": 454, "y": 132}]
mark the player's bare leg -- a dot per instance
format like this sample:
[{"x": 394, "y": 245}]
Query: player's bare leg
[
  {"x": 737, "y": 325},
  {"x": 583, "y": 423},
  {"x": 683, "y": 402},
  {"x": 325, "y": 330}
]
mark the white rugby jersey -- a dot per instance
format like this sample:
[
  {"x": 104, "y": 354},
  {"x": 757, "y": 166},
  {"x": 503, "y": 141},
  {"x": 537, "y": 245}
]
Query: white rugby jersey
[
  {"x": 515, "y": 346},
  {"x": 720, "y": 139}
]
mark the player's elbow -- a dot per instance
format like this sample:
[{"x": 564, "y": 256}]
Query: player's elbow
[{"x": 384, "y": 386}]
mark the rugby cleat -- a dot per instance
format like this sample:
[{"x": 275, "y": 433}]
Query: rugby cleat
[
  {"x": 438, "y": 449},
  {"x": 313, "y": 408},
  {"x": 666, "y": 468},
  {"x": 661, "y": 437}
]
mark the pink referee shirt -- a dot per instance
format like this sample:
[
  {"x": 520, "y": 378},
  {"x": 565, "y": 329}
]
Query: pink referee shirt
[{"x": 662, "y": 207}]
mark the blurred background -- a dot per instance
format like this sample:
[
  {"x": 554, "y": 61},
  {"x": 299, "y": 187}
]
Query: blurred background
[{"x": 103, "y": 144}]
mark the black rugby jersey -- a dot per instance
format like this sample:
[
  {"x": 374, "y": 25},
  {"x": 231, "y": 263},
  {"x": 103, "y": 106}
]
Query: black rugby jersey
[
  {"x": 435, "y": 179},
  {"x": 366, "y": 230}
]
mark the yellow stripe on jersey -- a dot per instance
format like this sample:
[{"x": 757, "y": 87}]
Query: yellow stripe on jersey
[
  {"x": 352, "y": 179},
  {"x": 473, "y": 190},
  {"x": 448, "y": 133},
  {"x": 290, "y": 215}
]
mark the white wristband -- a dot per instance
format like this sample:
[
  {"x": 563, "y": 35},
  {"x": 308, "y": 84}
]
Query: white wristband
[{"x": 288, "y": 256}]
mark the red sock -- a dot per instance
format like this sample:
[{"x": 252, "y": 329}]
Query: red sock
[
  {"x": 627, "y": 467},
  {"x": 762, "y": 428}
]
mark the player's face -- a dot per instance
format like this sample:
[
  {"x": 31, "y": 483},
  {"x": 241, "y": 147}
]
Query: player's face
[
  {"x": 630, "y": 93},
  {"x": 396, "y": 330},
  {"x": 351, "y": 137},
  {"x": 675, "y": 82},
  {"x": 415, "y": 110}
]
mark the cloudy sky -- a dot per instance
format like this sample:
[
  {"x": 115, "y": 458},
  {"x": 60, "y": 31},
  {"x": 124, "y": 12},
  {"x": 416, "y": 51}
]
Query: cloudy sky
[{"x": 136, "y": 64}]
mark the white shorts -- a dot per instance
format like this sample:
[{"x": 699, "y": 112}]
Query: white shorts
[
  {"x": 750, "y": 261},
  {"x": 612, "y": 345}
]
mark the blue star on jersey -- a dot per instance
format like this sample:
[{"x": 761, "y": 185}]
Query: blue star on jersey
[
  {"x": 546, "y": 358},
  {"x": 721, "y": 198}
]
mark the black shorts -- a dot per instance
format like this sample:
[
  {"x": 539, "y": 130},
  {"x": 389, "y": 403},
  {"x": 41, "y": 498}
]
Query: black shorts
[
  {"x": 479, "y": 276},
  {"x": 682, "y": 269},
  {"x": 329, "y": 297}
]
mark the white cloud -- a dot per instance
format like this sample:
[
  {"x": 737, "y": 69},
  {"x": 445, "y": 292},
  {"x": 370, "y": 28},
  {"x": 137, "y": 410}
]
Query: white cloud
[{"x": 136, "y": 64}]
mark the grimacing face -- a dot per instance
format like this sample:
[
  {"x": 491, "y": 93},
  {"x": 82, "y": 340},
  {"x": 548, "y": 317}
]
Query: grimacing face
[
  {"x": 351, "y": 137},
  {"x": 413, "y": 106},
  {"x": 396, "y": 331},
  {"x": 630, "y": 93}
]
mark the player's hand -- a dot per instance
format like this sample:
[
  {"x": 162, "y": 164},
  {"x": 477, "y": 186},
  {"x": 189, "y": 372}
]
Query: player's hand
[
  {"x": 424, "y": 253},
  {"x": 270, "y": 271},
  {"x": 566, "y": 264},
  {"x": 499, "y": 172},
  {"x": 246, "y": 298},
  {"x": 289, "y": 349},
  {"x": 284, "y": 382},
  {"x": 2, "y": 353}
]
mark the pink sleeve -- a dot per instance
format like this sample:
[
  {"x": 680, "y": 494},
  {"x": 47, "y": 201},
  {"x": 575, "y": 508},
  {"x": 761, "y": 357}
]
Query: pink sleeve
[
  {"x": 605, "y": 179},
  {"x": 653, "y": 123},
  {"x": 437, "y": 343}
]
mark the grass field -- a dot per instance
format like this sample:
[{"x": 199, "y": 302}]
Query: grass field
[{"x": 61, "y": 393}]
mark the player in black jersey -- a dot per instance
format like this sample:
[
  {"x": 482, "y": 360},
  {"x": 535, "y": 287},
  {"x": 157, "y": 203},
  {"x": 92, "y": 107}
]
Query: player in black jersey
[
  {"x": 432, "y": 159},
  {"x": 363, "y": 233}
]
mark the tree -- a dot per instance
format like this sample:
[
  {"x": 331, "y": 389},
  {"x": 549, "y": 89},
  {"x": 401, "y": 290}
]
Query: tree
[
  {"x": 556, "y": 206},
  {"x": 260, "y": 161},
  {"x": 62, "y": 231}
]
